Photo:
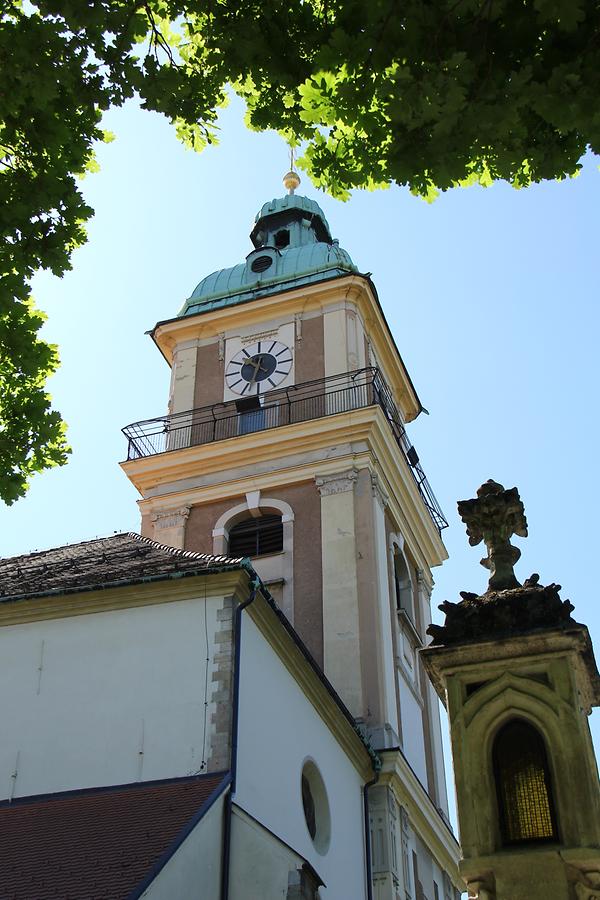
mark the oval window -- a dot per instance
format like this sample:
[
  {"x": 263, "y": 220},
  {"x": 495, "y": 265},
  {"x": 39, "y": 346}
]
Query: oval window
[
  {"x": 315, "y": 806},
  {"x": 261, "y": 263}
]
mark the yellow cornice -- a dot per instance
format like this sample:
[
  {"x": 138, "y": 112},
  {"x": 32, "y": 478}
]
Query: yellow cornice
[
  {"x": 423, "y": 815},
  {"x": 367, "y": 427},
  {"x": 149, "y": 593},
  {"x": 353, "y": 289},
  {"x": 308, "y": 680}
]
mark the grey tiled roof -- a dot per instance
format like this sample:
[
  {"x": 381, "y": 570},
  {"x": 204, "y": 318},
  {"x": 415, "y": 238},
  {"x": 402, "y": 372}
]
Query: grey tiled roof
[{"x": 102, "y": 563}]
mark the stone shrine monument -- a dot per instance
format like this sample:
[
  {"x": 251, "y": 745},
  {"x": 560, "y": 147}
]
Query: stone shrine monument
[{"x": 518, "y": 677}]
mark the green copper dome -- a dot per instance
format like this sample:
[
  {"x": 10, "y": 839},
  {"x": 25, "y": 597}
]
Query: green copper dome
[{"x": 292, "y": 246}]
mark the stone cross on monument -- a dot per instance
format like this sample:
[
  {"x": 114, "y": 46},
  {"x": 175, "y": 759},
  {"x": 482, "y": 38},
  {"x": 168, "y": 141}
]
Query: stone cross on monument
[{"x": 493, "y": 517}]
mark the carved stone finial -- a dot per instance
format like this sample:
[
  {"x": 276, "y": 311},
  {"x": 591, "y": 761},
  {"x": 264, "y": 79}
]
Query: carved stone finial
[{"x": 493, "y": 517}]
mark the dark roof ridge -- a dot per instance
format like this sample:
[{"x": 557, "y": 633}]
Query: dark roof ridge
[
  {"x": 108, "y": 788},
  {"x": 187, "y": 554},
  {"x": 114, "y": 561}
]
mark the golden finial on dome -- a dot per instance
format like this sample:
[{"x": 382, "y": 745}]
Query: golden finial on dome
[{"x": 291, "y": 179}]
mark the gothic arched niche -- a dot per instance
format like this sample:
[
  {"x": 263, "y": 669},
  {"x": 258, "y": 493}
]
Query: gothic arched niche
[{"x": 523, "y": 785}]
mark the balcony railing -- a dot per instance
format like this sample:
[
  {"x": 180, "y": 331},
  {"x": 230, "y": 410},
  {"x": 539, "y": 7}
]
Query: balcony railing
[{"x": 287, "y": 406}]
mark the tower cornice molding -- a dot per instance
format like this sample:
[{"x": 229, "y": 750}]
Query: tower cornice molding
[
  {"x": 356, "y": 290},
  {"x": 170, "y": 479}
]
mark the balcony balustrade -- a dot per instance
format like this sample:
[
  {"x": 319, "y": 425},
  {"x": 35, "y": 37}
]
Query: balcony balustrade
[{"x": 286, "y": 406}]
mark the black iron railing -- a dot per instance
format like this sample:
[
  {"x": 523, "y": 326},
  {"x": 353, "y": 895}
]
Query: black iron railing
[{"x": 286, "y": 406}]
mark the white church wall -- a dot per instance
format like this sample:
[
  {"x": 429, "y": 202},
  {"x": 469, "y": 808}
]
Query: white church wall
[
  {"x": 279, "y": 729},
  {"x": 106, "y": 698},
  {"x": 260, "y": 864},
  {"x": 438, "y": 749},
  {"x": 194, "y": 870},
  {"x": 413, "y": 742}
]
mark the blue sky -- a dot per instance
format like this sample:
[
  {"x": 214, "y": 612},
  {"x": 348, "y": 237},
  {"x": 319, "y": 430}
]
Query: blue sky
[{"x": 491, "y": 295}]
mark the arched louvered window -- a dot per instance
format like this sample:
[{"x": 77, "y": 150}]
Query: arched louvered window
[
  {"x": 403, "y": 584},
  {"x": 255, "y": 536},
  {"x": 523, "y": 785}
]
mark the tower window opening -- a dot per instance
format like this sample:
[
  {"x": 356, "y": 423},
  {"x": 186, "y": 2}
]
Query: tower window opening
[
  {"x": 523, "y": 785},
  {"x": 282, "y": 238},
  {"x": 253, "y": 537},
  {"x": 403, "y": 585}
]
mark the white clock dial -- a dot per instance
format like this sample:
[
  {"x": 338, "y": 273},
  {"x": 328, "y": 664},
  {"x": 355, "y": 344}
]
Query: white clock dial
[{"x": 258, "y": 368}]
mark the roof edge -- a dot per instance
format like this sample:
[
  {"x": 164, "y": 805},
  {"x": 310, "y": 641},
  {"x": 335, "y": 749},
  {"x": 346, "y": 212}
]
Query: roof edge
[
  {"x": 107, "y": 788},
  {"x": 232, "y": 565},
  {"x": 174, "y": 846}
]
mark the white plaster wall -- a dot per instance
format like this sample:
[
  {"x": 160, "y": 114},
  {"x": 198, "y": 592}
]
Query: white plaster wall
[
  {"x": 183, "y": 377},
  {"x": 278, "y": 729},
  {"x": 260, "y": 864},
  {"x": 438, "y": 748},
  {"x": 385, "y": 638},
  {"x": 194, "y": 870},
  {"x": 335, "y": 341},
  {"x": 413, "y": 743},
  {"x": 425, "y": 863},
  {"x": 108, "y": 698}
]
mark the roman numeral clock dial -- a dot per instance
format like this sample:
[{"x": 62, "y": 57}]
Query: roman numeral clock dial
[{"x": 258, "y": 368}]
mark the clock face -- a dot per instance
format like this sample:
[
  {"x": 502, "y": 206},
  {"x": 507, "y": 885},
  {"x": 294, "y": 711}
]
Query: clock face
[{"x": 258, "y": 368}]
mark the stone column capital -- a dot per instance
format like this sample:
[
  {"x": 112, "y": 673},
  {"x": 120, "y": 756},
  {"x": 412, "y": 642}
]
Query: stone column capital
[
  {"x": 170, "y": 518},
  {"x": 339, "y": 483},
  {"x": 378, "y": 490}
]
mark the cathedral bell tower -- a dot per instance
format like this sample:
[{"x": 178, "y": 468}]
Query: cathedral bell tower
[
  {"x": 285, "y": 441},
  {"x": 519, "y": 679}
]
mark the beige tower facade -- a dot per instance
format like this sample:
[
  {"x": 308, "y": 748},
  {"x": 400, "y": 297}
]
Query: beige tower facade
[
  {"x": 519, "y": 680},
  {"x": 285, "y": 441}
]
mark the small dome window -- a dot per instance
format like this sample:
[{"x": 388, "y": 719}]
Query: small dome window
[
  {"x": 261, "y": 264},
  {"x": 282, "y": 239}
]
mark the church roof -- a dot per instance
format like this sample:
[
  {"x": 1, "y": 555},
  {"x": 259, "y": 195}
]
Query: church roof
[
  {"x": 292, "y": 247},
  {"x": 98, "y": 843},
  {"x": 119, "y": 559}
]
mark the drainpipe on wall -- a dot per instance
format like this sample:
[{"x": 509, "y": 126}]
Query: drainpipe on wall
[{"x": 237, "y": 628}]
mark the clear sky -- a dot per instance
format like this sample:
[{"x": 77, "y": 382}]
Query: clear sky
[{"x": 491, "y": 295}]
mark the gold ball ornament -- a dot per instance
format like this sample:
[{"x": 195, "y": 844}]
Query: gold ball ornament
[{"x": 291, "y": 181}]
